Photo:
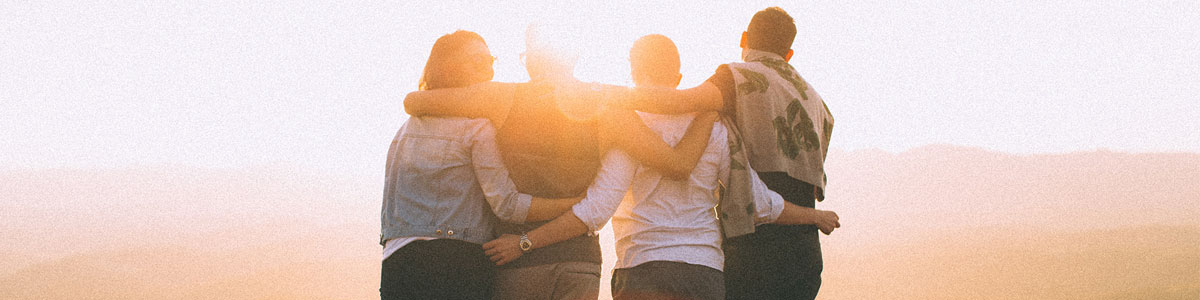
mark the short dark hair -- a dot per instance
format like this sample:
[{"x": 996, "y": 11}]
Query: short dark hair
[
  {"x": 655, "y": 57},
  {"x": 771, "y": 30}
]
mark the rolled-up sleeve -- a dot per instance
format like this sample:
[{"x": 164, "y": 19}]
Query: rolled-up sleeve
[
  {"x": 501, "y": 193},
  {"x": 768, "y": 204},
  {"x": 607, "y": 190}
]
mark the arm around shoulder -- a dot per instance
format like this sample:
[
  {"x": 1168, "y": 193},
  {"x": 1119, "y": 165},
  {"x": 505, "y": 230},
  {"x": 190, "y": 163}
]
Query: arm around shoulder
[
  {"x": 483, "y": 100},
  {"x": 625, "y": 130},
  {"x": 704, "y": 97}
]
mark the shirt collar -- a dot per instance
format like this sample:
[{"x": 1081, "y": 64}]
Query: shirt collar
[{"x": 749, "y": 55}]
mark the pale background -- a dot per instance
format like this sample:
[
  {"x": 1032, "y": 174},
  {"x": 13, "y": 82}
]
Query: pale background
[
  {"x": 237, "y": 83},
  {"x": 234, "y": 149}
]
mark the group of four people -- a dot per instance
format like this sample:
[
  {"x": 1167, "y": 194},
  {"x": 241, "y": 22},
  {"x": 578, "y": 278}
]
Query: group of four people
[{"x": 723, "y": 177}]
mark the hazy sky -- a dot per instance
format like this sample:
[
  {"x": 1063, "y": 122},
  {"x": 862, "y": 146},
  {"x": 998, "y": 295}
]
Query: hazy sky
[{"x": 236, "y": 83}]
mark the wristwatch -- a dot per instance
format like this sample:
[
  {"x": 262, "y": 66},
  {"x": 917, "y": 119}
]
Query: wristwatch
[{"x": 526, "y": 244}]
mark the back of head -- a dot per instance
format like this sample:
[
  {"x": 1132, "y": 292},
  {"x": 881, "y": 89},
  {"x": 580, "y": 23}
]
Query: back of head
[
  {"x": 654, "y": 61},
  {"x": 458, "y": 59},
  {"x": 771, "y": 30},
  {"x": 549, "y": 49}
]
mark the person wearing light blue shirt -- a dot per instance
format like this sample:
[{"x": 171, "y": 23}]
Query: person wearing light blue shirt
[{"x": 446, "y": 188}]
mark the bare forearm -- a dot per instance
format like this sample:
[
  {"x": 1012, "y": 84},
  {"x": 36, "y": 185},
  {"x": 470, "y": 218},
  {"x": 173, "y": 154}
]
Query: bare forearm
[
  {"x": 484, "y": 100},
  {"x": 627, "y": 132},
  {"x": 507, "y": 247},
  {"x": 797, "y": 215},
  {"x": 705, "y": 97},
  {"x": 793, "y": 214},
  {"x": 695, "y": 140},
  {"x": 564, "y": 227},
  {"x": 542, "y": 209}
]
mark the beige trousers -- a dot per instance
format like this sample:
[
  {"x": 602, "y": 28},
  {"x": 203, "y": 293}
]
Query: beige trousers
[{"x": 566, "y": 280}]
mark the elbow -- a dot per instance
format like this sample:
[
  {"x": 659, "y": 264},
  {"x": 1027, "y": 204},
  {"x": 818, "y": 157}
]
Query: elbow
[
  {"x": 511, "y": 217},
  {"x": 410, "y": 103},
  {"x": 510, "y": 214},
  {"x": 505, "y": 216}
]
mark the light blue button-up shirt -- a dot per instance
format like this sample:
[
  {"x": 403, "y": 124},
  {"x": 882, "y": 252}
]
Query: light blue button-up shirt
[{"x": 445, "y": 179}]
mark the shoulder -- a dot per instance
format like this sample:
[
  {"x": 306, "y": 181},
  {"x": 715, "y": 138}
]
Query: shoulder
[
  {"x": 477, "y": 128},
  {"x": 723, "y": 72},
  {"x": 742, "y": 67},
  {"x": 456, "y": 127}
]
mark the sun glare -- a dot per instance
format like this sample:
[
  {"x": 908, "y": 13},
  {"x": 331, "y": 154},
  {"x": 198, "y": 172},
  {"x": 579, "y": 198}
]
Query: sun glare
[{"x": 602, "y": 40}]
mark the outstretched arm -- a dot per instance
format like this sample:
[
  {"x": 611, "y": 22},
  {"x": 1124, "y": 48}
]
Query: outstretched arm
[
  {"x": 625, "y": 130},
  {"x": 603, "y": 197},
  {"x": 489, "y": 100}
]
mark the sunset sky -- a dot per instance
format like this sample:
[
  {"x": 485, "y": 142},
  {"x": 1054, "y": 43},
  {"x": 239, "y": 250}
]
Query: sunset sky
[{"x": 319, "y": 84}]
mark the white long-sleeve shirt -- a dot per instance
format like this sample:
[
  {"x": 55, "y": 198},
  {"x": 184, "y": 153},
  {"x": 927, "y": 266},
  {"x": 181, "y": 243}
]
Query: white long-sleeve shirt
[{"x": 668, "y": 220}]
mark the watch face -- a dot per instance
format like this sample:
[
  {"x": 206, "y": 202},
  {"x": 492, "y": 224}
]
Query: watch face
[{"x": 526, "y": 244}]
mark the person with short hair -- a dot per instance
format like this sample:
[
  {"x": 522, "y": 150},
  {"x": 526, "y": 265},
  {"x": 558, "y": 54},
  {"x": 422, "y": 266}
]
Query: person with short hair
[
  {"x": 668, "y": 239},
  {"x": 781, "y": 127}
]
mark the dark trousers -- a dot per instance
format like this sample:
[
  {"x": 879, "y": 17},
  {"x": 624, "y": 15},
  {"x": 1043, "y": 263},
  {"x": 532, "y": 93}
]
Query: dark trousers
[
  {"x": 776, "y": 261},
  {"x": 667, "y": 280},
  {"x": 437, "y": 269}
]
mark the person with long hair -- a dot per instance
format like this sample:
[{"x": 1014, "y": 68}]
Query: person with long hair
[{"x": 446, "y": 189}]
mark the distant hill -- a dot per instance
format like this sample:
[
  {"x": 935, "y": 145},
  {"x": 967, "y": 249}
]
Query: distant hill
[
  {"x": 1152, "y": 262},
  {"x": 937, "y": 222},
  {"x": 55, "y": 213},
  {"x": 261, "y": 262},
  {"x": 944, "y": 187}
]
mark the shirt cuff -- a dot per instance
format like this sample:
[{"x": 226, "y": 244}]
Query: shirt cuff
[
  {"x": 589, "y": 216},
  {"x": 768, "y": 208},
  {"x": 521, "y": 208}
]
